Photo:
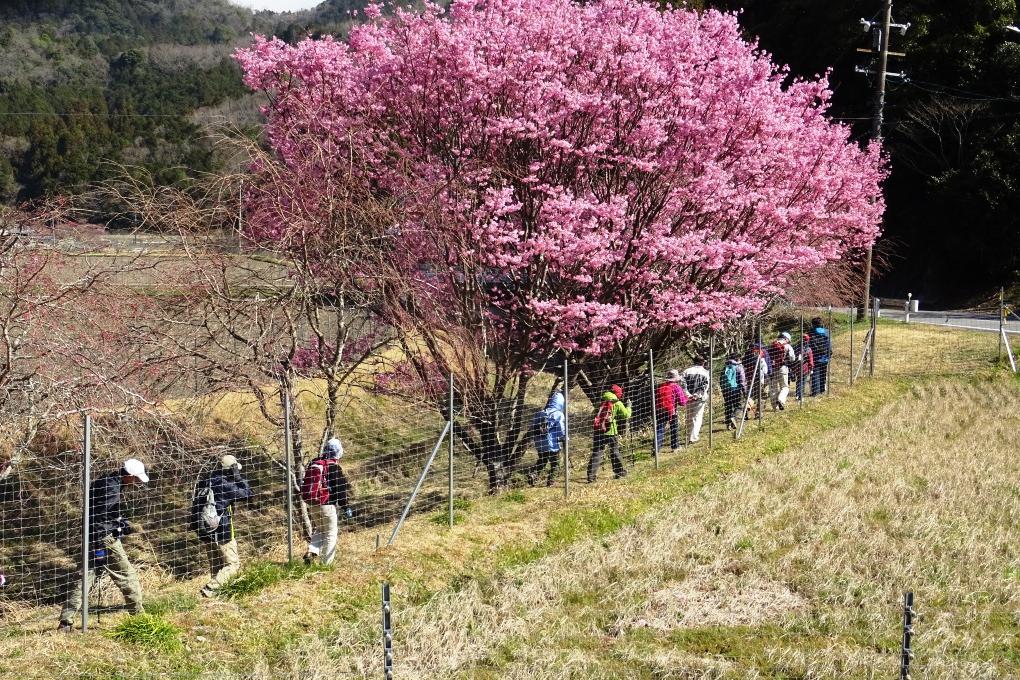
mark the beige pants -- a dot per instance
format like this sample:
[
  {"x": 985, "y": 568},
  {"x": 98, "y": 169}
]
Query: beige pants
[
  {"x": 224, "y": 563},
  {"x": 324, "y": 532},
  {"x": 121, "y": 573}
]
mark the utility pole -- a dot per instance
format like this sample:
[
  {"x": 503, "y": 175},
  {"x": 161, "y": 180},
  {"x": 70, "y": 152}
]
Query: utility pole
[{"x": 880, "y": 45}]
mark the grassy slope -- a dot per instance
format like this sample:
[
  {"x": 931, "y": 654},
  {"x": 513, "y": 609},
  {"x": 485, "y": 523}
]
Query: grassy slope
[{"x": 780, "y": 555}]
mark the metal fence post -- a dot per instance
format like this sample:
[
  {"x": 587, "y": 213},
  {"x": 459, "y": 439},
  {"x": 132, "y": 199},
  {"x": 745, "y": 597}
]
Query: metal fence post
[
  {"x": 290, "y": 475},
  {"x": 874, "y": 331},
  {"x": 907, "y": 653},
  {"x": 451, "y": 449},
  {"x": 1002, "y": 319},
  {"x": 387, "y": 630},
  {"x": 711, "y": 374},
  {"x": 447, "y": 428},
  {"x": 852, "y": 315},
  {"x": 655, "y": 416},
  {"x": 566, "y": 427},
  {"x": 760, "y": 386},
  {"x": 800, "y": 365},
  {"x": 828, "y": 371},
  {"x": 86, "y": 483}
]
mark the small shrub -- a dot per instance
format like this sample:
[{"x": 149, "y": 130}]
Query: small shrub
[{"x": 149, "y": 630}]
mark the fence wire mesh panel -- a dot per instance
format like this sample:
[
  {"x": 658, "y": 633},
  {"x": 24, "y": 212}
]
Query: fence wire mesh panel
[{"x": 392, "y": 458}]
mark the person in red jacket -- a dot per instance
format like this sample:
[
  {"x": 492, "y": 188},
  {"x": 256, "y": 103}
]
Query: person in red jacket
[{"x": 669, "y": 397}]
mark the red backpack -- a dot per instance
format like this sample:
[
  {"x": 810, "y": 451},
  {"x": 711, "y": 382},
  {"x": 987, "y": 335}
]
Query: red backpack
[
  {"x": 777, "y": 355},
  {"x": 604, "y": 417},
  {"x": 315, "y": 487}
]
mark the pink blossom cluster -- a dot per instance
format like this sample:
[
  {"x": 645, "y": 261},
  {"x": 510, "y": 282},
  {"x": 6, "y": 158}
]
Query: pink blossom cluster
[{"x": 573, "y": 174}]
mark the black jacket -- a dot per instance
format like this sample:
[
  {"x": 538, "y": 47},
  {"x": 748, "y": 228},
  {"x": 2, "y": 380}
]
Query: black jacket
[
  {"x": 228, "y": 487},
  {"x": 104, "y": 507}
]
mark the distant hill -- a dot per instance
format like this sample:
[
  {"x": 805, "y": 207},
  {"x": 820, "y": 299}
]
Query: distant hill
[{"x": 85, "y": 84}]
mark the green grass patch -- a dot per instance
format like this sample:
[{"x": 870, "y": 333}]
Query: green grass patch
[
  {"x": 262, "y": 574},
  {"x": 151, "y": 631},
  {"x": 174, "y": 602}
]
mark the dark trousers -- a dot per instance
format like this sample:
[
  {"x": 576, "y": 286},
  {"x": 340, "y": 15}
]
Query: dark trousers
[
  {"x": 819, "y": 379},
  {"x": 731, "y": 402},
  {"x": 661, "y": 420},
  {"x": 550, "y": 458},
  {"x": 600, "y": 443}
]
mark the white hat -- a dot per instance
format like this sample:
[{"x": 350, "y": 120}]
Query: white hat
[
  {"x": 785, "y": 336},
  {"x": 136, "y": 468},
  {"x": 333, "y": 448},
  {"x": 227, "y": 462},
  {"x": 673, "y": 375}
]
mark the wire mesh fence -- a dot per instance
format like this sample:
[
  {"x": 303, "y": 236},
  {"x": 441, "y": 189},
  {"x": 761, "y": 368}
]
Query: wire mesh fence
[{"x": 571, "y": 423}]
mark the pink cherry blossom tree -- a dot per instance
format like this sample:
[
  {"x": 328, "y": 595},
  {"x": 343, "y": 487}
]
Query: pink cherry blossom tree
[{"x": 591, "y": 180}]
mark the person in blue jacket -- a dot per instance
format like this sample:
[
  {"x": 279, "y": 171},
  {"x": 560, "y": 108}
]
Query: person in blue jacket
[
  {"x": 547, "y": 433},
  {"x": 821, "y": 348},
  {"x": 214, "y": 497}
]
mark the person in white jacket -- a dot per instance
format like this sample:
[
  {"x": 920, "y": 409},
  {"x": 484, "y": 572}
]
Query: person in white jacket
[
  {"x": 783, "y": 358},
  {"x": 696, "y": 382}
]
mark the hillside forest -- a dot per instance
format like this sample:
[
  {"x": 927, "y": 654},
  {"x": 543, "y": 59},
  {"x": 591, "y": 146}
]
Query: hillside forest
[{"x": 87, "y": 86}]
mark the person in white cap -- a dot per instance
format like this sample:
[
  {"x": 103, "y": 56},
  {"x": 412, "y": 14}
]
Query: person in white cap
[
  {"x": 783, "y": 357},
  {"x": 212, "y": 519},
  {"x": 696, "y": 383},
  {"x": 106, "y": 552},
  {"x": 325, "y": 489}
]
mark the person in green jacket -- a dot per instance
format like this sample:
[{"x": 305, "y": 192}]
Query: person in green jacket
[{"x": 606, "y": 431}]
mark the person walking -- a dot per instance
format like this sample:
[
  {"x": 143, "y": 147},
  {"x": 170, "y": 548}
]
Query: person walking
[
  {"x": 212, "y": 519},
  {"x": 733, "y": 384},
  {"x": 105, "y": 551},
  {"x": 805, "y": 364},
  {"x": 782, "y": 358},
  {"x": 696, "y": 381},
  {"x": 606, "y": 433},
  {"x": 325, "y": 489},
  {"x": 821, "y": 347},
  {"x": 669, "y": 398},
  {"x": 547, "y": 433}
]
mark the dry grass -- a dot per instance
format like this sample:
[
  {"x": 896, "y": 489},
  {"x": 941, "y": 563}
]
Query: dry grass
[
  {"x": 801, "y": 561},
  {"x": 783, "y": 555}
]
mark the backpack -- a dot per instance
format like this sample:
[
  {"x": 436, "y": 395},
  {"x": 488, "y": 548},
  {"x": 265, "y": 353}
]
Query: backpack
[
  {"x": 729, "y": 377},
  {"x": 208, "y": 517},
  {"x": 807, "y": 362},
  {"x": 777, "y": 355},
  {"x": 540, "y": 426},
  {"x": 315, "y": 486},
  {"x": 604, "y": 418}
]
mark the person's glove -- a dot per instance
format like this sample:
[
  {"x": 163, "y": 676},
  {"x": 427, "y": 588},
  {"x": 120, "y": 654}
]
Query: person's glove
[{"x": 348, "y": 513}]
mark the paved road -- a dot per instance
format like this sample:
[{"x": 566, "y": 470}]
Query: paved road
[{"x": 974, "y": 321}]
